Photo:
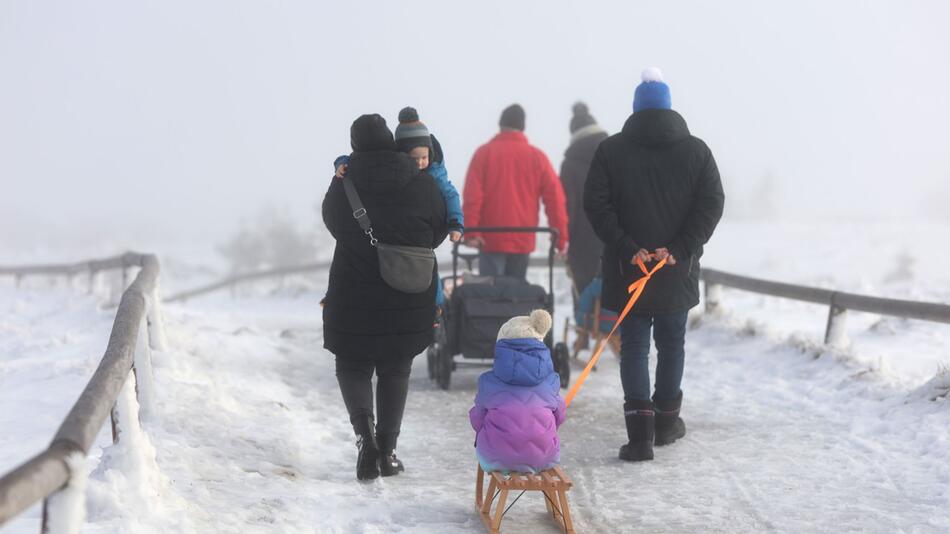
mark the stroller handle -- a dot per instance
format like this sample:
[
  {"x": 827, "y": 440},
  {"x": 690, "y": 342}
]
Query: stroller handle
[
  {"x": 514, "y": 230},
  {"x": 555, "y": 234}
]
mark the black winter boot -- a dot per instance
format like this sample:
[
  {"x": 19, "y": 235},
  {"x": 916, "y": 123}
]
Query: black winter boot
[
  {"x": 669, "y": 426},
  {"x": 389, "y": 465},
  {"x": 367, "y": 460},
  {"x": 639, "y": 418}
]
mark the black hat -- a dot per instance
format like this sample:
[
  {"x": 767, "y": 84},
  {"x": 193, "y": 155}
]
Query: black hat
[
  {"x": 411, "y": 132},
  {"x": 512, "y": 117},
  {"x": 369, "y": 133},
  {"x": 581, "y": 118}
]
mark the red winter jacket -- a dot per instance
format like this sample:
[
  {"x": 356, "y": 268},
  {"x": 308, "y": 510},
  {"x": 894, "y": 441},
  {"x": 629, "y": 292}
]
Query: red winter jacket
[{"x": 505, "y": 181}]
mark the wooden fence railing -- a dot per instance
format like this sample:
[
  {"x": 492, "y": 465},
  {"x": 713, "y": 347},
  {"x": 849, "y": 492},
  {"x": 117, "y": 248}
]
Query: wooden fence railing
[
  {"x": 136, "y": 330},
  {"x": 838, "y": 302},
  {"x": 48, "y": 472}
]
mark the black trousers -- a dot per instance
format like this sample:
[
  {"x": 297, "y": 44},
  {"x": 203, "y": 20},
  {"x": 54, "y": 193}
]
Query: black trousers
[{"x": 355, "y": 375}]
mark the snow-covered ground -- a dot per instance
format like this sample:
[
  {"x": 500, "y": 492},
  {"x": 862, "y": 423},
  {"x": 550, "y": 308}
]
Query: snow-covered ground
[{"x": 250, "y": 434}]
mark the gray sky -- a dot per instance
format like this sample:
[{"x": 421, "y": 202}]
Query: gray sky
[{"x": 180, "y": 118}]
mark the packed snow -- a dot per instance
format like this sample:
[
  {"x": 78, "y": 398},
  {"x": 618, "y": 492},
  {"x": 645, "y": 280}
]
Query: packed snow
[{"x": 248, "y": 432}]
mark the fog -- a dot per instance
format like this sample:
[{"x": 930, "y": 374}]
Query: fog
[{"x": 151, "y": 121}]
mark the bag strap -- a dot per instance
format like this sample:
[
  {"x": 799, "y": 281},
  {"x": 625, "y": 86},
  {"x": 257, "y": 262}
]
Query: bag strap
[{"x": 359, "y": 212}]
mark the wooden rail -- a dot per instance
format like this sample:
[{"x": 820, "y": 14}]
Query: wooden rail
[
  {"x": 838, "y": 302},
  {"x": 48, "y": 472}
]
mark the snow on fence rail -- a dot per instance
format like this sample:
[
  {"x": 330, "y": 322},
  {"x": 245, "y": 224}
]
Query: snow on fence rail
[
  {"x": 54, "y": 475},
  {"x": 71, "y": 270},
  {"x": 838, "y": 302},
  {"x": 232, "y": 281}
]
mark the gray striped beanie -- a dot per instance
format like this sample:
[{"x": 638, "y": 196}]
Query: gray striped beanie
[{"x": 411, "y": 132}]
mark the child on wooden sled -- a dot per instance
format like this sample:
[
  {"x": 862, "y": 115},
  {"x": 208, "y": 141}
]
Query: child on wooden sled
[{"x": 518, "y": 408}]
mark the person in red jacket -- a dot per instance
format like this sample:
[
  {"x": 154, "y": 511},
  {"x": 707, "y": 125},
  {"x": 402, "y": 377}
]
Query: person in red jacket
[{"x": 505, "y": 182}]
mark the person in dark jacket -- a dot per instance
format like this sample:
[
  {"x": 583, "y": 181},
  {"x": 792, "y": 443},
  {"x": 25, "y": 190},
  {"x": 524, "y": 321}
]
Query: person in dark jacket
[
  {"x": 653, "y": 191},
  {"x": 583, "y": 256},
  {"x": 369, "y": 326}
]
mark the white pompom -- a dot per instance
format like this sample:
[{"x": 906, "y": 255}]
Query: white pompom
[
  {"x": 541, "y": 322},
  {"x": 652, "y": 74}
]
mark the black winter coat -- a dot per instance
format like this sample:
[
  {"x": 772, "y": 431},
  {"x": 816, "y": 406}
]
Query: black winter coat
[
  {"x": 362, "y": 316},
  {"x": 583, "y": 254},
  {"x": 653, "y": 185}
]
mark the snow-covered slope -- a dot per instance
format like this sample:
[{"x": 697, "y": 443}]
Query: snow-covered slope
[{"x": 250, "y": 434}]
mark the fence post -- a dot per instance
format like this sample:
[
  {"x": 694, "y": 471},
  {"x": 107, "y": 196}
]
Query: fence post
[
  {"x": 713, "y": 297},
  {"x": 125, "y": 411},
  {"x": 64, "y": 511},
  {"x": 835, "y": 333},
  {"x": 156, "y": 326},
  {"x": 142, "y": 367}
]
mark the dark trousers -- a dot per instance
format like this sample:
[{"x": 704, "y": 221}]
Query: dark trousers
[
  {"x": 355, "y": 376},
  {"x": 669, "y": 334},
  {"x": 503, "y": 264}
]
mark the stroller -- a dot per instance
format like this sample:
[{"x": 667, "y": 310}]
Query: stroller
[{"x": 476, "y": 307}]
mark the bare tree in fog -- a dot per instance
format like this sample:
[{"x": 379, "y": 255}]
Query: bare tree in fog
[{"x": 272, "y": 241}]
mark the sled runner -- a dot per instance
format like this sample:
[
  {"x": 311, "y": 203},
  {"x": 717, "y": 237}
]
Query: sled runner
[{"x": 552, "y": 483}]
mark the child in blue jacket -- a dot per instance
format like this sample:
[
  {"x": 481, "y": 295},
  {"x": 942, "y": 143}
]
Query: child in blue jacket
[{"x": 413, "y": 138}]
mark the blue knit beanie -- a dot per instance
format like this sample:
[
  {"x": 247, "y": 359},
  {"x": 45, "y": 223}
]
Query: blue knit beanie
[{"x": 652, "y": 93}]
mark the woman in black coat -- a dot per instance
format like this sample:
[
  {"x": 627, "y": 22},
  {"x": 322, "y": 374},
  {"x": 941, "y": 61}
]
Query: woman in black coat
[{"x": 369, "y": 326}]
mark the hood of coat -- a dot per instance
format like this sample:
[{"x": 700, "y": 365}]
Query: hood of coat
[
  {"x": 655, "y": 127},
  {"x": 522, "y": 362},
  {"x": 381, "y": 170},
  {"x": 583, "y": 147}
]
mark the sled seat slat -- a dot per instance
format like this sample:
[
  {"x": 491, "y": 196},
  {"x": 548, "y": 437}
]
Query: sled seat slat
[{"x": 552, "y": 483}]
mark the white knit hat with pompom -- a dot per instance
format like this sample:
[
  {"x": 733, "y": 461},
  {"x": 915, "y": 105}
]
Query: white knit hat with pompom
[{"x": 535, "y": 326}]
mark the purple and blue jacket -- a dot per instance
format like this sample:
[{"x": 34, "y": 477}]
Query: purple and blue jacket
[{"x": 518, "y": 409}]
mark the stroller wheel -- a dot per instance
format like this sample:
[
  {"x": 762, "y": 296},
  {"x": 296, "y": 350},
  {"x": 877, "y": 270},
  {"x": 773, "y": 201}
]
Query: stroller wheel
[
  {"x": 437, "y": 346},
  {"x": 562, "y": 364},
  {"x": 430, "y": 361},
  {"x": 444, "y": 365}
]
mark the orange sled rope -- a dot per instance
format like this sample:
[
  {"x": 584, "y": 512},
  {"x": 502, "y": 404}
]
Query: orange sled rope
[{"x": 635, "y": 289}]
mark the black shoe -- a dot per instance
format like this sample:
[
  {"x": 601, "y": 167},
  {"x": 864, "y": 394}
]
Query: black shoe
[
  {"x": 669, "y": 426},
  {"x": 389, "y": 465},
  {"x": 638, "y": 415},
  {"x": 367, "y": 460},
  {"x": 636, "y": 452}
]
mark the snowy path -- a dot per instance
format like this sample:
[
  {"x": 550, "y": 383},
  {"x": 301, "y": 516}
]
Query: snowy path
[
  {"x": 254, "y": 438},
  {"x": 250, "y": 434}
]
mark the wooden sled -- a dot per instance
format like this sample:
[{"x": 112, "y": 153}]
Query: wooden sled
[{"x": 552, "y": 483}]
